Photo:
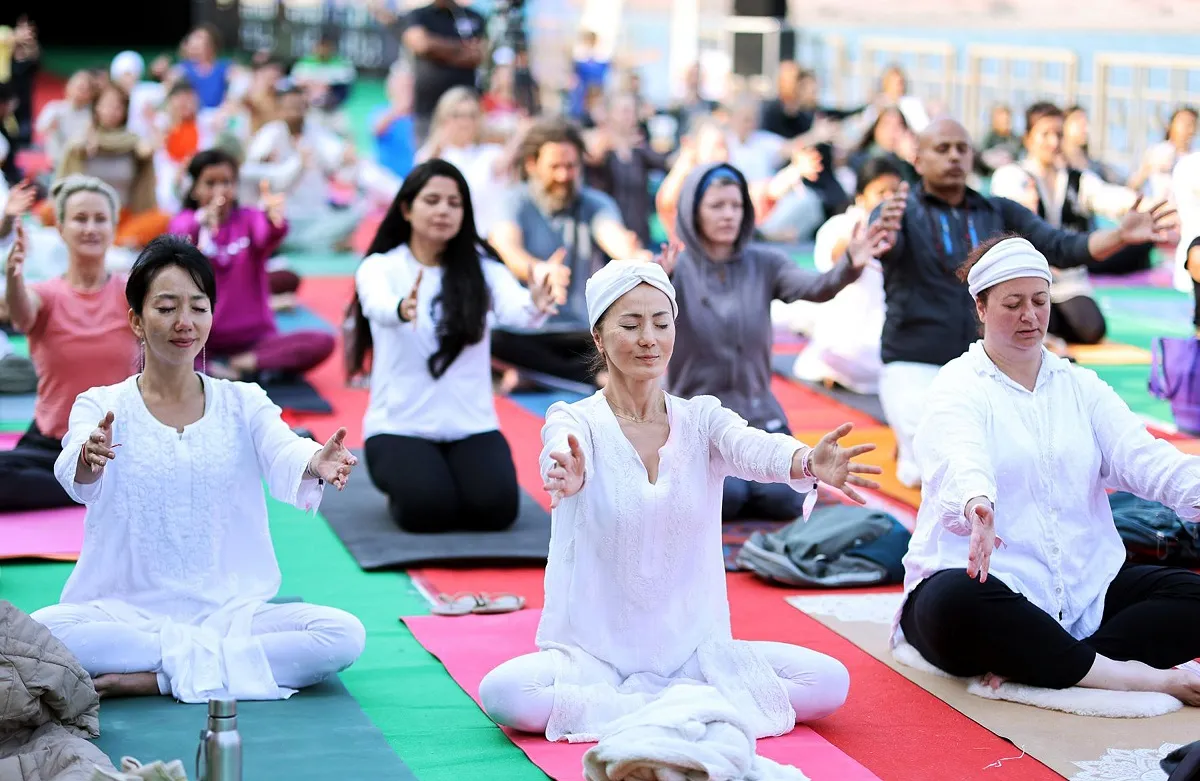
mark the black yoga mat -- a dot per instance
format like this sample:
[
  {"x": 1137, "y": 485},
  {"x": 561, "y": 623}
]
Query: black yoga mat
[
  {"x": 360, "y": 518},
  {"x": 781, "y": 364},
  {"x": 317, "y": 735},
  {"x": 298, "y": 395}
]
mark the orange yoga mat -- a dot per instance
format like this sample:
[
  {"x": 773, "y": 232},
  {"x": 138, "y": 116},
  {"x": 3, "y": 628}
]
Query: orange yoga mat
[{"x": 884, "y": 455}]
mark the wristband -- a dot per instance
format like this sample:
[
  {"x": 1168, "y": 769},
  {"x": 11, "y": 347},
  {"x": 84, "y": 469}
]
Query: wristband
[{"x": 807, "y": 464}]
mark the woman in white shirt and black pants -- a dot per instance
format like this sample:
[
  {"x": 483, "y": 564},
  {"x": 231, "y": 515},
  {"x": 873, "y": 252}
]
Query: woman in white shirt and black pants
[
  {"x": 1019, "y": 445},
  {"x": 429, "y": 292}
]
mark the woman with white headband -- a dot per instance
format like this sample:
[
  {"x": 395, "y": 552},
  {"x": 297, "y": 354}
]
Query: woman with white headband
[
  {"x": 1019, "y": 445},
  {"x": 635, "y": 581}
]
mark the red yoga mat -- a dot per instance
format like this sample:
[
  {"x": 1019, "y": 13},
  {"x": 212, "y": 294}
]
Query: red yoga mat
[
  {"x": 896, "y": 729},
  {"x": 496, "y": 639}
]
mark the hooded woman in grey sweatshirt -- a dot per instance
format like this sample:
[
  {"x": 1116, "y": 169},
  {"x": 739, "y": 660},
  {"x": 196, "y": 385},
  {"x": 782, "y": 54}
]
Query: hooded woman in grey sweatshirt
[{"x": 725, "y": 286}]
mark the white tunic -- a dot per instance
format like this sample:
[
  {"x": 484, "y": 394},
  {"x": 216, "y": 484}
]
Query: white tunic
[
  {"x": 176, "y": 539},
  {"x": 406, "y": 400},
  {"x": 635, "y": 580},
  {"x": 1044, "y": 459}
]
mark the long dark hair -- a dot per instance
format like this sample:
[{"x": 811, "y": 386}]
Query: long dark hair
[{"x": 465, "y": 300}]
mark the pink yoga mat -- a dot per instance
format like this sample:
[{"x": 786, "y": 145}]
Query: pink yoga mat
[
  {"x": 45, "y": 534},
  {"x": 470, "y": 646}
]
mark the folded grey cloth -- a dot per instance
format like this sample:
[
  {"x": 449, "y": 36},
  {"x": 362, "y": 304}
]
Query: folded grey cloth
[{"x": 17, "y": 375}]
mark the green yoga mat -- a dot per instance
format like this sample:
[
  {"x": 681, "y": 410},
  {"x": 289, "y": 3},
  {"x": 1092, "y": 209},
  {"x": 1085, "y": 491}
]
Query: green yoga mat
[
  {"x": 318, "y": 734},
  {"x": 404, "y": 691},
  {"x": 1130, "y": 384}
]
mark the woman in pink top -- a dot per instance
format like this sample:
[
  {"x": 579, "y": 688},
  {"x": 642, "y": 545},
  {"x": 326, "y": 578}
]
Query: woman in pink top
[
  {"x": 79, "y": 337},
  {"x": 239, "y": 241}
]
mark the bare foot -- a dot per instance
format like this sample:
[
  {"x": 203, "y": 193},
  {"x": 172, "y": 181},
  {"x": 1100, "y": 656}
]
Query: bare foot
[
  {"x": 127, "y": 685},
  {"x": 994, "y": 681},
  {"x": 1183, "y": 685},
  {"x": 601, "y": 379},
  {"x": 220, "y": 371}
]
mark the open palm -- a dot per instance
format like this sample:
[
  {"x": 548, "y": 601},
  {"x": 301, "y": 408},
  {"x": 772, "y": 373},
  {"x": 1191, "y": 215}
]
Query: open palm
[
  {"x": 834, "y": 465},
  {"x": 334, "y": 462}
]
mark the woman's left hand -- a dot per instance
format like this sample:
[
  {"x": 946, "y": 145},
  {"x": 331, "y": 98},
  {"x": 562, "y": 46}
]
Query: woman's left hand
[
  {"x": 274, "y": 204},
  {"x": 834, "y": 465},
  {"x": 1157, "y": 225},
  {"x": 333, "y": 462}
]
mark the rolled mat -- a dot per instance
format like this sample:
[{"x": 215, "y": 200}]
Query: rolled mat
[
  {"x": 318, "y": 734},
  {"x": 891, "y": 726},
  {"x": 1101, "y": 748},
  {"x": 496, "y": 639},
  {"x": 360, "y": 518}
]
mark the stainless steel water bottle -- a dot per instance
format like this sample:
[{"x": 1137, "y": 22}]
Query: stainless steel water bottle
[{"x": 219, "y": 755}]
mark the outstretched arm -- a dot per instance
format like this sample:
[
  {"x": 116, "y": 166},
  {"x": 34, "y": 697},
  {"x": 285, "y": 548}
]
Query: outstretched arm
[
  {"x": 284, "y": 458},
  {"x": 951, "y": 439},
  {"x": 1134, "y": 460}
]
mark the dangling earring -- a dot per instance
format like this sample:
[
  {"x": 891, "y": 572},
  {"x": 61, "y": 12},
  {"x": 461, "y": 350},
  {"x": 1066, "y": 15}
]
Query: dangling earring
[
  {"x": 143, "y": 355},
  {"x": 204, "y": 360}
]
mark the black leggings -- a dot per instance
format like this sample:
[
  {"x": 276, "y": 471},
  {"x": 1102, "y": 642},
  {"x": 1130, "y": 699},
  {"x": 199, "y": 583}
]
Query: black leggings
[
  {"x": 1078, "y": 320},
  {"x": 564, "y": 355},
  {"x": 745, "y": 500},
  {"x": 27, "y": 480},
  {"x": 467, "y": 485},
  {"x": 968, "y": 628}
]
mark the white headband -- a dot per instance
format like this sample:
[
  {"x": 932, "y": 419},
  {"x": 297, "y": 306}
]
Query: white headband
[
  {"x": 617, "y": 278},
  {"x": 1010, "y": 259}
]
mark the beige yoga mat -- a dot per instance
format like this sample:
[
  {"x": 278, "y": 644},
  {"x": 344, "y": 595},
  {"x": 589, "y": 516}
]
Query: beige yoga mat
[
  {"x": 1110, "y": 354},
  {"x": 1081, "y": 748}
]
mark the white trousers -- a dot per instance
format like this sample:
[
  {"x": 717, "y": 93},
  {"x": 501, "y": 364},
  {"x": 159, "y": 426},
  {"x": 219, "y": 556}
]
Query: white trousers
[
  {"x": 903, "y": 388},
  {"x": 520, "y": 693},
  {"x": 304, "y": 644}
]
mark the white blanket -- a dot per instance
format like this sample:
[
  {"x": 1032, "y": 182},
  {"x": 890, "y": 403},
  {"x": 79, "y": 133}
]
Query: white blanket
[
  {"x": 690, "y": 733},
  {"x": 1078, "y": 700}
]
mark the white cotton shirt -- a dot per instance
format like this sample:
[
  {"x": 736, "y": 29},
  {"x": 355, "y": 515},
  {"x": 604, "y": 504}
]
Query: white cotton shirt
[
  {"x": 406, "y": 400},
  {"x": 635, "y": 577},
  {"x": 1044, "y": 459},
  {"x": 176, "y": 539}
]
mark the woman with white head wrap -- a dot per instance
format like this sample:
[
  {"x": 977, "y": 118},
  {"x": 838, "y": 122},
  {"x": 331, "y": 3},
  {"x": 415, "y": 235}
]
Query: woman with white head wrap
[
  {"x": 635, "y": 581},
  {"x": 1020, "y": 445}
]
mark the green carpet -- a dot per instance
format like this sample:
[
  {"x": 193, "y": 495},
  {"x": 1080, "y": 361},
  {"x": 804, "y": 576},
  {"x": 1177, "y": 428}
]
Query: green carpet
[
  {"x": 1130, "y": 384},
  {"x": 405, "y": 692}
]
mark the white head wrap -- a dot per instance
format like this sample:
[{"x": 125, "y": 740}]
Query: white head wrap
[
  {"x": 127, "y": 62},
  {"x": 1010, "y": 259},
  {"x": 617, "y": 278}
]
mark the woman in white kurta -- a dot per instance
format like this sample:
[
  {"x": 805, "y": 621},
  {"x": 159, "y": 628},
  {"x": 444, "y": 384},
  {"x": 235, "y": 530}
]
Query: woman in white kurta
[
  {"x": 171, "y": 592},
  {"x": 1019, "y": 445},
  {"x": 635, "y": 582}
]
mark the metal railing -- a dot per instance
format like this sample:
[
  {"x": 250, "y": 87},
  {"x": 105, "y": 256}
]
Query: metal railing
[{"x": 1130, "y": 96}]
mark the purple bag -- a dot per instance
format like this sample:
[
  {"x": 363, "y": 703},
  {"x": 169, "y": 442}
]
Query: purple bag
[{"x": 1175, "y": 377}]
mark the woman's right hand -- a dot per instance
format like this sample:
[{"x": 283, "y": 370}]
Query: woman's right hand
[
  {"x": 408, "y": 306},
  {"x": 98, "y": 449},
  {"x": 983, "y": 538},
  {"x": 565, "y": 478}
]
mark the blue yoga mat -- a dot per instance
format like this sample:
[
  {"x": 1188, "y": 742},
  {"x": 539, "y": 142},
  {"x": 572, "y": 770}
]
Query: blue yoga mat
[
  {"x": 301, "y": 319},
  {"x": 538, "y": 402}
]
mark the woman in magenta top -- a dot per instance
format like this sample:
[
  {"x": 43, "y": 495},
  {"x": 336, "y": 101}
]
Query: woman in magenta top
[
  {"x": 239, "y": 241},
  {"x": 79, "y": 337}
]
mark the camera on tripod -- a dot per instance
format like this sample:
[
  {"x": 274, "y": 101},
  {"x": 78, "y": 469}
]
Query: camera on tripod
[{"x": 511, "y": 16}]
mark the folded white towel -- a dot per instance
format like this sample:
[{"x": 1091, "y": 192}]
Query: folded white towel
[{"x": 690, "y": 733}]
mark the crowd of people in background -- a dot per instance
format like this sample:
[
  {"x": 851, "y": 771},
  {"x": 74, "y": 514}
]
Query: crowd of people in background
[{"x": 495, "y": 208}]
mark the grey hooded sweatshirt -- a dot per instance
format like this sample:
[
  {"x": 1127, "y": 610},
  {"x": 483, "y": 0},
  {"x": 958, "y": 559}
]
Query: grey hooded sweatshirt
[{"x": 723, "y": 336}]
